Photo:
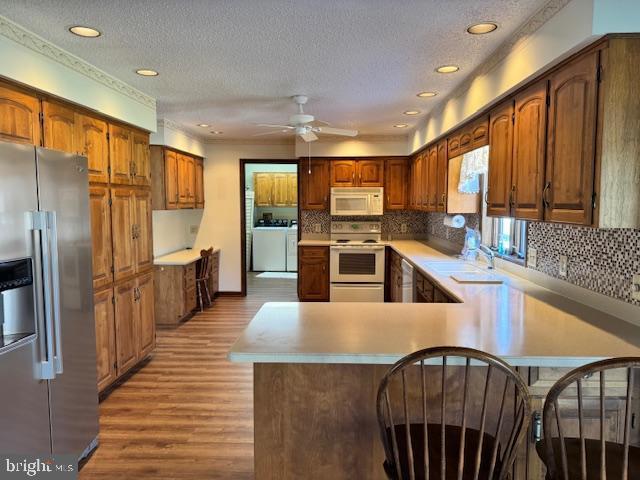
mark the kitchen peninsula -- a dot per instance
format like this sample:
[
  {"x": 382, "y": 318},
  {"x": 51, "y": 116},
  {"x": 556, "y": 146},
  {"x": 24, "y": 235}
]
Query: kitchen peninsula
[{"x": 317, "y": 365}]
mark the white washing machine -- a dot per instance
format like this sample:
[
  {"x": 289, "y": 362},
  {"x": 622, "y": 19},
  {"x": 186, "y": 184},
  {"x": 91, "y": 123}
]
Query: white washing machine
[
  {"x": 270, "y": 249},
  {"x": 292, "y": 249}
]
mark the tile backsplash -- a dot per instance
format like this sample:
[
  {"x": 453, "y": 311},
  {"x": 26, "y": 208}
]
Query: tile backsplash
[
  {"x": 416, "y": 222},
  {"x": 601, "y": 260},
  {"x": 438, "y": 229}
]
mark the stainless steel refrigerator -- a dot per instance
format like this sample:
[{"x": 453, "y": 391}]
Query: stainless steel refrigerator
[{"x": 48, "y": 390}]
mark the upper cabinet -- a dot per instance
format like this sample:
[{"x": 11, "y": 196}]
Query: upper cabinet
[
  {"x": 275, "y": 189},
  {"x": 59, "y": 127},
  {"x": 571, "y": 138},
  {"x": 177, "y": 179},
  {"x": 468, "y": 137},
  {"x": 292, "y": 189},
  {"x": 357, "y": 173},
  {"x": 441, "y": 182},
  {"x": 499, "y": 194},
  {"x": 19, "y": 116},
  {"x": 263, "y": 189},
  {"x": 396, "y": 179},
  {"x": 314, "y": 184},
  {"x": 91, "y": 142},
  {"x": 140, "y": 163},
  {"x": 120, "y": 150}
]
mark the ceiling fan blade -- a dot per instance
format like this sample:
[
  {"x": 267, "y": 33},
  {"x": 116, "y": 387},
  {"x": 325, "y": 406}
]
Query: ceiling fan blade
[
  {"x": 273, "y": 132},
  {"x": 337, "y": 131},
  {"x": 318, "y": 123},
  {"x": 288, "y": 127},
  {"x": 309, "y": 137}
]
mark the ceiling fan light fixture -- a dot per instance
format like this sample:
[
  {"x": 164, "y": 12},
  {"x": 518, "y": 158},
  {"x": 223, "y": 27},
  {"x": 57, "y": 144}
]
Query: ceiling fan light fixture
[
  {"x": 482, "y": 28},
  {"x": 85, "y": 32},
  {"x": 426, "y": 94},
  {"x": 447, "y": 69}
]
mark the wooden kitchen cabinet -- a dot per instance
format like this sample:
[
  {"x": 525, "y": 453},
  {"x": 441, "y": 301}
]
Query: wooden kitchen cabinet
[
  {"x": 343, "y": 173},
  {"x": 175, "y": 293},
  {"x": 432, "y": 179},
  {"x": 396, "y": 183},
  {"x": 125, "y": 325},
  {"x": 441, "y": 177},
  {"x": 140, "y": 162},
  {"x": 453, "y": 145},
  {"x": 263, "y": 189},
  {"x": 142, "y": 230},
  {"x": 292, "y": 189},
  {"x": 91, "y": 142},
  {"x": 313, "y": 274},
  {"x": 123, "y": 214},
  {"x": 275, "y": 189},
  {"x": 146, "y": 325},
  {"x": 199, "y": 172},
  {"x": 280, "y": 194},
  {"x": 479, "y": 131},
  {"x": 103, "y": 307},
  {"x": 530, "y": 124},
  {"x": 19, "y": 116},
  {"x": 59, "y": 127},
  {"x": 314, "y": 184},
  {"x": 370, "y": 172},
  {"x": 186, "y": 181},
  {"x": 120, "y": 152},
  {"x": 394, "y": 277},
  {"x": 424, "y": 180},
  {"x": 102, "y": 255},
  {"x": 499, "y": 192},
  {"x": 171, "y": 180},
  {"x": 571, "y": 136}
]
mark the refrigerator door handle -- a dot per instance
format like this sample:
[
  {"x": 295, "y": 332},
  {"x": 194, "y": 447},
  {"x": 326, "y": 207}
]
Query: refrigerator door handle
[
  {"x": 42, "y": 284},
  {"x": 55, "y": 291}
]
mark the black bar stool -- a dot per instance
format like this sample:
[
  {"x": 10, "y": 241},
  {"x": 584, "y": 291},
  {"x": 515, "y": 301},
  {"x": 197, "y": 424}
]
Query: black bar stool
[
  {"x": 203, "y": 274},
  {"x": 451, "y": 413}
]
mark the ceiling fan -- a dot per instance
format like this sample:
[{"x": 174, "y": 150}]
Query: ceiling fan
[{"x": 305, "y": 125}]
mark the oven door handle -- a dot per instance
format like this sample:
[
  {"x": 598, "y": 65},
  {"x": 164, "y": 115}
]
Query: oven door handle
[{"x": 359, "y": 247}]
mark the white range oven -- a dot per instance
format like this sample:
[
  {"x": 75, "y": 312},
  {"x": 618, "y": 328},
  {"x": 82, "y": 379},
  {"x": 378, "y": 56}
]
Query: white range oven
[{"x": 357, "y": 262}]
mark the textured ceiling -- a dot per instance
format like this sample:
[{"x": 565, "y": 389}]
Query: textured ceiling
[{"x": 229, "y": 63}]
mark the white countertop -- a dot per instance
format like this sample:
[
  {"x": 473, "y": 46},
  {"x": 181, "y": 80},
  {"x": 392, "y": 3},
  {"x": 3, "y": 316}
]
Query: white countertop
[
  {"x": 179, "y": 258},
  {"x": 518, "y": 320}
]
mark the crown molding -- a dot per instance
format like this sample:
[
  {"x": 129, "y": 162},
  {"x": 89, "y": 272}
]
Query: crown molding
[
  {"x": 520, "y": 36},
  {"x": 30, "y": 40},
  {"x": 248, "y": 141},
  {"x": 179, "y": 128},
  {"x": 365, "y": 138}
]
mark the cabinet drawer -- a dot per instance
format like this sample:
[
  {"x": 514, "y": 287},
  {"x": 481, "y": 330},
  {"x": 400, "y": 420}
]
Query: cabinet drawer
[
  {"x": 313, "y": 252},
  {"x": 190, "y": 276}
]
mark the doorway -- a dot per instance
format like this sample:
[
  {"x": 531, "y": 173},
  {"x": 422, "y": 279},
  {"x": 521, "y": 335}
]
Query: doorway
[{"x": 269, "y": 225}]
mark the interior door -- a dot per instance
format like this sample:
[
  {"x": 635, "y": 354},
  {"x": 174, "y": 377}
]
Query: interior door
[
  {"x": 102, "y": 257},
  {"x": 142, "y": 230},
  {"x": 91, "y": 138},
  {"x": 529, "y": 144},
  {"x": 571, "y": 134},
  {"x": 63, "y": 186},
  {"x": 498, "y": 196},
  {"x": 59, "y": 127},
  {"x": 24, "y": 404},
  {"x": 146, "y": 322}
]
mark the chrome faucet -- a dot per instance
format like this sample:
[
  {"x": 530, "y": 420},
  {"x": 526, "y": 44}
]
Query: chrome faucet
[{"x": 489, "y": 254}]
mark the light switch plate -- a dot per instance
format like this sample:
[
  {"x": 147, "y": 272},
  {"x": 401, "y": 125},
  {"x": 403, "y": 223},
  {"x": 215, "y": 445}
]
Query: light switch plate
[
  {"x": 635, "y": 287},
  {"x": 532, "y": 257},
  {"x": 562, "y": 267},
  {"x": 317, "y": 228},
  {"x": 403, "y": 228}
]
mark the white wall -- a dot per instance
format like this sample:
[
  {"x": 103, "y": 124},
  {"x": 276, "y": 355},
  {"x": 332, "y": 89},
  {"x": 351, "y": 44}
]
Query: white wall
[
  {"x": 362, "y": 146},
  {"x": 566, "y": 32},
  {"x": 616, "y": 16},
  {"x": 172, "y": 230},
  {"x": 220, "y": 224},
  {"x": 29, "y": 59},
  {"x": 170, "y": 134}
]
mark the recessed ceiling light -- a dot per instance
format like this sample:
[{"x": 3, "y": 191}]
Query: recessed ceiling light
[
  {"x": 482, "y": 28},
  {"x": 426, "y": 94},
  {"x": 411, "y": 112},
  {"x": 447, "y": 69},
  {"x": 204, "y": 125},
  {"x": 87, "y": 32},
  {"x": 147, "y": 72},
  {"x": 401, "y": 125},
  {"x": 216, "y": 132}
]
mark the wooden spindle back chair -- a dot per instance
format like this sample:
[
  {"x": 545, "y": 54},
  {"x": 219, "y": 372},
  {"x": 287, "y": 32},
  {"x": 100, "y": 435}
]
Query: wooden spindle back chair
[
  {"x": 203, "y": 274},
  {"x": 581, "y": 457},
  {"x": 451, "y": 413}
]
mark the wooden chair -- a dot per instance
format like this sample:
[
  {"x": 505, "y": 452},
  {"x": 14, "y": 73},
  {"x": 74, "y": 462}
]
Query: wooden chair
[
  {"x": 203, "y": 274},
  {"x": 451, "y": 413},
  {"x": 570, "y": 457}
]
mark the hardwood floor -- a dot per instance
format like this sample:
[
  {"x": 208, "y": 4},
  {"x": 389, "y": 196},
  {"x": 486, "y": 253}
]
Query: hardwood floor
[{"x": 188, "y": 413}]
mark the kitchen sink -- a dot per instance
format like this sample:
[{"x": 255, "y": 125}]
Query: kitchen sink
[{"x": 463, "y": 272}]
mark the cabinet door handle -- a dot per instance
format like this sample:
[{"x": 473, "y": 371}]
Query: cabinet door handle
[
  {"x": 486, "y": 197},
  {"x": 545, "y": 200},
  {"x": 444, "y": 198}
]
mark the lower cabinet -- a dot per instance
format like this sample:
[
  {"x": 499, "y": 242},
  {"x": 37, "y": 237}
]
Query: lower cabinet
[
  {"x": 428, "y": 292},
  {"x": 125, "y": 327},
  {"x": 175, "y": 298},
  {"x": 394, "y": 277},
  {"x": 313, "y": 274}
]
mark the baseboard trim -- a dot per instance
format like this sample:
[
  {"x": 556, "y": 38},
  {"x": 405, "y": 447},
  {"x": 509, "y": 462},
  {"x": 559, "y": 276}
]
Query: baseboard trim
[{"x": 230, "y": 294}]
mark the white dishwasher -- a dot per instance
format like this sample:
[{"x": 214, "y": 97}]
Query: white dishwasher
[
  {"x": 270, "y": 249},
  {"x": 407, "y": 282}
]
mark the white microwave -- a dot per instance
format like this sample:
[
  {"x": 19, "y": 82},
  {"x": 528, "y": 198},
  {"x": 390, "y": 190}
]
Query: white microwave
[{"x": 357, "y": 201}]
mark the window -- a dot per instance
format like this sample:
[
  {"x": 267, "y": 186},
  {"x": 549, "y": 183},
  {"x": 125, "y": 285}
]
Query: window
[{"x": 509, "y": 237}]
